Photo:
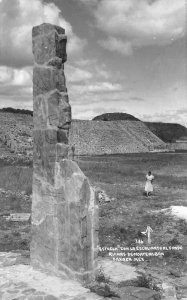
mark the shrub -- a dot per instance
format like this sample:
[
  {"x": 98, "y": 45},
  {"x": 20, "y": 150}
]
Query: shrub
[{"x": 101, "y": 277}]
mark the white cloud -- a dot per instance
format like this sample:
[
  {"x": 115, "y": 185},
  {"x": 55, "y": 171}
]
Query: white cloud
[
  {"x": 171, "y": 116},
  {"x": 90, "y": 3},
  {"x": 22, "y": 77},
  {"x": 113, "y": 44},
  {"x": 101, "y": 71},
  {"x": 74, "y": 74},
  {"x": 93, "y": 109},
  {"x": 15, "y": 77},
  {"x": 96, "y": 87},
  {"x": 139, "y": 23},
  {"x": 92, "y": 68},
  {"x": 135, "y": 98},
  {"x": 17, "y": 19},
  {"x": 5, "y": 74},
  {"x": 16, "y": 87}
]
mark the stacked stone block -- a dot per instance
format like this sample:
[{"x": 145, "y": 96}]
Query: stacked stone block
[{"x": 64, "y": 212}]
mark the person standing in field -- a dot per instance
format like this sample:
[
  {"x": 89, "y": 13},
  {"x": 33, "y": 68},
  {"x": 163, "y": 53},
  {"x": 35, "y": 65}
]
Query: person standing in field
[{"x": 149, "y": 185}]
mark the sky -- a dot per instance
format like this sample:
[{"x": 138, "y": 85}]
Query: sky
[{"x": 123, "y": 55}]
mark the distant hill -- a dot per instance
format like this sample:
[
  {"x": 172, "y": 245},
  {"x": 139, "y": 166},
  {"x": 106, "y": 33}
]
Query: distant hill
[
  {"x": 115, "y": 117},
  {"x": 168, "y": 132},
  {"x": 16, "y": 111}
]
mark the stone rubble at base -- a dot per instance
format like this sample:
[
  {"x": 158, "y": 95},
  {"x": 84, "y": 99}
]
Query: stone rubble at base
[{"x": 22, "y": 282}]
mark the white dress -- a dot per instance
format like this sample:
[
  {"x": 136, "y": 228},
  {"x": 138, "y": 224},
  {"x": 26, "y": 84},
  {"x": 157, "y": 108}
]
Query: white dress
[{"x": 148, "y": 185}]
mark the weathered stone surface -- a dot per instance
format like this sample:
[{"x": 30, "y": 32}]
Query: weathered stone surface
[
  {"x": 64, "y": 212},
  {"x": 45, "y": 28},
  {"x": 53, "y": 110},
  {"x": 45, "y": 152},
  {"x": 65, "y": 238},
  {"x": 59, "y": 110},
  {"x": 61, "y": 151},
  {"x": 49, "y": 42},
  {"x": 55, "y": 62},
  {"x": 141, "y": 293},
  {"x": 62, "y": 136},
  {"x": 118, "y": 271},
  {"x": 40, "y": 112},
  {"x": 79, "y": 253},
  {"x": 103, "y": 289},
  {"x": 46, "y": 79}
]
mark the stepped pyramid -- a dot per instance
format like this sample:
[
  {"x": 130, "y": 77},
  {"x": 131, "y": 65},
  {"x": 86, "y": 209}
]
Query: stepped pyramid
[{"x": 113, "y": 137}]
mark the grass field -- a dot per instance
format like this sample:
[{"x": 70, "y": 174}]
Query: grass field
[{"x": 123, "y": 219}]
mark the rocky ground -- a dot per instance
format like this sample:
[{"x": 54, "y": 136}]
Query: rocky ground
[
  {"x": 16, "y": 132},
  {"x": 124, "y": 211},
  {"x": 19, "y": 281}
]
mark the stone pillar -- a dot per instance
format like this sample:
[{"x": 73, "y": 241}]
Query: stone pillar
[{"x": 64, "y": 212}]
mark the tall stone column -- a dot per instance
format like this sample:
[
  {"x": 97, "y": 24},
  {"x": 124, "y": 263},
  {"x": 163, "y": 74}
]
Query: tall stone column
[{"x": 64, "y": 212}]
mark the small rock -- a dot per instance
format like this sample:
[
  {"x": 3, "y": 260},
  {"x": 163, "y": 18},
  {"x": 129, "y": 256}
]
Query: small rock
[
  {"x": 28, "y": 291},
  {"x": 103, "y": 289},
  {"x": 14, "y": 291},
  {"x": 21, "y": 285},
  {"x": 175, "y": 273},
  {"x": 169, "y": 290}
]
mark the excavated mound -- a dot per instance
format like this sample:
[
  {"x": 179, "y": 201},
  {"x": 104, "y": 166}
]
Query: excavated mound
[
  {"x": 16, "y": 132},
  {"x": 89, "y": 137},
  {"x": 112, "y": 137}
]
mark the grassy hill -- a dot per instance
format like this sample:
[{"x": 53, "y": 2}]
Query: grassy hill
[
  {"x": 16, "y": 111},
  {"x": 167, "y": 132},
  {"x": 115, "y": 117}
]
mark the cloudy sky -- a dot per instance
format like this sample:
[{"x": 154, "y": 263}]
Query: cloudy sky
[{"x": 123, "y": 55}]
